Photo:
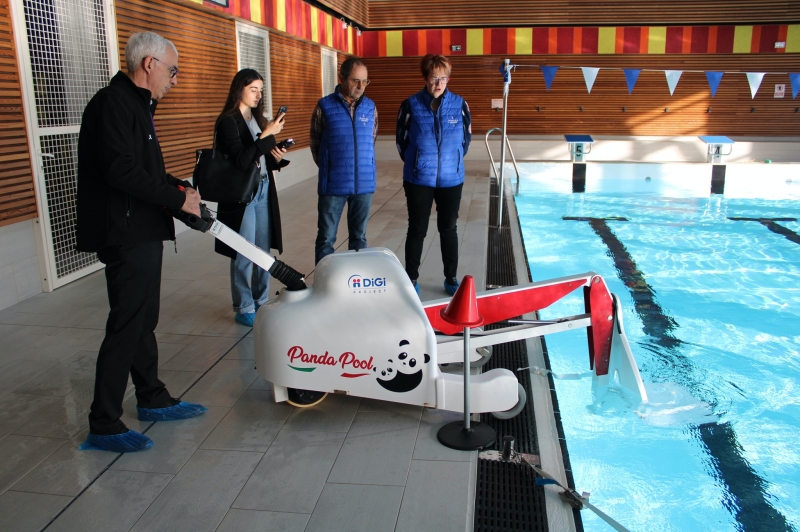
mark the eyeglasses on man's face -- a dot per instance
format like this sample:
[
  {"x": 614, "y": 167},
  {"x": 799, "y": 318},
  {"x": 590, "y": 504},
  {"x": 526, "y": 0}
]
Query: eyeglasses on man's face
[
  {"x": 434, "y": 80},
  {"x": 355, "y": 82},
  {"x": 173, "y": 70}
]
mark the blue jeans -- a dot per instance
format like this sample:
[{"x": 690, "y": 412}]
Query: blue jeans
[
  {"x": 329, "y": 209},
  {"x": 250, "y": 284}
]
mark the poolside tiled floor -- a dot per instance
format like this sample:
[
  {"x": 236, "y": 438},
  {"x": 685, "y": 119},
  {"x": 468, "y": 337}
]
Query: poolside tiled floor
[{"x": 247, "y": 464}]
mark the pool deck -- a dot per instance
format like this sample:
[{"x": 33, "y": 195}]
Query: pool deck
[{"x": 248, "y": 463}]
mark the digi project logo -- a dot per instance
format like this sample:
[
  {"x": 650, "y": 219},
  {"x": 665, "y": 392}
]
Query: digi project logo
[{"x": 366, "y": 285}]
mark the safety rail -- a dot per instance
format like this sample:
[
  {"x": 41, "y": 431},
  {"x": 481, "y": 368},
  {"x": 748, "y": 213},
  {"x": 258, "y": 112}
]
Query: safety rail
[{"x": 508, "y": 144}]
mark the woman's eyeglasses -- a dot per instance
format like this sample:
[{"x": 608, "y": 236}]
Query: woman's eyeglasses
[{"x": 434, "y": 80}]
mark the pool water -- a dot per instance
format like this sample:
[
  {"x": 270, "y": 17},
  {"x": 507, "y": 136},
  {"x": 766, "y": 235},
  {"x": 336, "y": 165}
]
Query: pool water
[{"x": 712, "y": 312}]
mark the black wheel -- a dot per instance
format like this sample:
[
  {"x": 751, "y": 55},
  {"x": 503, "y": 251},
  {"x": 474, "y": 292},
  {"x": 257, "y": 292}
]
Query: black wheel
[
  {"x": 508, "y": 414},
  {"x": 304, "y": 398}
]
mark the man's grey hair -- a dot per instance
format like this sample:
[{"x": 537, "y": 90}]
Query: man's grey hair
[{"x": 141, "y": 45}]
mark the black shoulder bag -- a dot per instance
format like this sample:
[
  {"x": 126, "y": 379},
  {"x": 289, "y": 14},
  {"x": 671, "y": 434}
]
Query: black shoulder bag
[{"x": 217, "y": 178}]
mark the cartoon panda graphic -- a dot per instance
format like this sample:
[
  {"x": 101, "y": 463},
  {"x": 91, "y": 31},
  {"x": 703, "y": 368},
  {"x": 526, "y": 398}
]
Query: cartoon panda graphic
[{"x": 405, "y": 374}]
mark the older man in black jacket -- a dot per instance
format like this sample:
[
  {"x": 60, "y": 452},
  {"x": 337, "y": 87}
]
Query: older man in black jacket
[{"x": 123, "y": 193}]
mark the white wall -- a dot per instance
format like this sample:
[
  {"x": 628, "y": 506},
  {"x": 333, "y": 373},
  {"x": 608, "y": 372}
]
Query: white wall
[{"x": 19, "y": 264}]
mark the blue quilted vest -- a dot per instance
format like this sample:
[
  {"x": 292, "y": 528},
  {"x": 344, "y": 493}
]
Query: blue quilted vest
[
  {"x": 434, "y": 157},
  {"x": 346, "y": 156}
]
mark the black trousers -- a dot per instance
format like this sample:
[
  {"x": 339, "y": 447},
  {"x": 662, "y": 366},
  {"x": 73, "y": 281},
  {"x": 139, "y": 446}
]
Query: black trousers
[
  {"x": 419, "y": 200},
  {"x": 133, "y": 278}
]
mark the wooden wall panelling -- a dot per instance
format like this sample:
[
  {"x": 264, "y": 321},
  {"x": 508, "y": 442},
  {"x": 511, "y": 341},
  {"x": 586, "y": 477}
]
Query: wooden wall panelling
[
  {"x": 355, "y": 10},
  {"x": 296, "y": 71},
  {"x": 17, "y": 194},
  {"x": 478, "y": 81},
  {"x": 207, "y": 59},
  {"x": 393, "y": 14}
]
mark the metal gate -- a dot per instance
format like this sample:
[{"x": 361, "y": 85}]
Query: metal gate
[{"x": 68, "y": 51}]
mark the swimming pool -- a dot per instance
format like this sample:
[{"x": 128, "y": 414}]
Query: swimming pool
[{"x": 712, "y": 312}]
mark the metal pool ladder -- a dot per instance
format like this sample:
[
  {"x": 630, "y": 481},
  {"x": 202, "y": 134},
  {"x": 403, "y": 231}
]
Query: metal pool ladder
[{"x": 513, "y": 160}]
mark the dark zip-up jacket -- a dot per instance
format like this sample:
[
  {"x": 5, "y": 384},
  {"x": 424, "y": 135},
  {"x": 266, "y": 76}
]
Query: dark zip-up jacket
[
  {"x": 123, "y": 186},
  {"x": 235, "y": 139}
]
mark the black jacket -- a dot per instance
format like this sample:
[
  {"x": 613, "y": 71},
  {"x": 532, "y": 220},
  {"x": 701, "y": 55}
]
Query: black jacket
[
  {"x": 123, "y": 185},
  {"x": 234, "y": 138}
]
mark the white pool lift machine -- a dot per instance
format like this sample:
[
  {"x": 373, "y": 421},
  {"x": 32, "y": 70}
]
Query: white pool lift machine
[{"x": 362, "y": 330}]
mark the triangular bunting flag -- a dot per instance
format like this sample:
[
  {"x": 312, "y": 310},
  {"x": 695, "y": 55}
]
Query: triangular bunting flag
[
  {"x": 631, "y": 75},
  {"x": 549, "y": 73},
  {"x": 506, "y": 74},
  {"x": 672, "y": 79},
  {"x": 794, "y": 77},
  {"x": 754, "y": 79},
  {"x": 713, "y": 81},
  {"x": 589, "y": 75}
]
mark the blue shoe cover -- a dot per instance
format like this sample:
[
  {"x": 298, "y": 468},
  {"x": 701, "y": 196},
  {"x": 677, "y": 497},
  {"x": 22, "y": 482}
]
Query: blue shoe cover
[
  {"x": 450, "y": 288},
  {"x": 127, "y": 442},
  {"x": 416, "y": 286},
  {"x": 245, "y": 319},
  {"x": 180, "y": 411}
]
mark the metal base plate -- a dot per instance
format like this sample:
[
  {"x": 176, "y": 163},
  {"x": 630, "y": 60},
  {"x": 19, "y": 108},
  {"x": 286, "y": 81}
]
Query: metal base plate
[{"x": 454, "y": 436}]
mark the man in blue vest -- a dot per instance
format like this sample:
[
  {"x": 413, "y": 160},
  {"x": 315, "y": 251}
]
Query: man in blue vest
[{"x": 343, "y": 130}]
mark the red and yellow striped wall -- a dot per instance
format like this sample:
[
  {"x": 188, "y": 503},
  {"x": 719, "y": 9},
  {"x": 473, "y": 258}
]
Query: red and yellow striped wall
[
  {"x": 307, "y": 22},
  {"x": 295, "y": 17},
  {"x": 584, "y": 40}
]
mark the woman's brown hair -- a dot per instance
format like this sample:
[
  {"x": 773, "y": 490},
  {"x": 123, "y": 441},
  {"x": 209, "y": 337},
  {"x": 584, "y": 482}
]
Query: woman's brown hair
[
  {"x": 433, "y": 61},
  {"x": 242, "y": 79}
]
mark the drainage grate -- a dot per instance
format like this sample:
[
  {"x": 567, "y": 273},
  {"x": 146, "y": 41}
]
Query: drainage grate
[
  {"x": 500, "y": 266},
  {"x": 507, "y": 497},
  {"x": 511, "y": 356},
  {"x": 503, "y": 501},
  {"x": 502, "y": 271}
]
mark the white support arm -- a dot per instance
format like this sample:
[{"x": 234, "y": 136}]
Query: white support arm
[{"x": 241, "y": 245}]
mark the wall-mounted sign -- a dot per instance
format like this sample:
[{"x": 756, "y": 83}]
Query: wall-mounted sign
[
  {"x": 497, "y": 103},
  {"x": 780, "y": 90},
  {"x": 780, "y": 44},
  {"x": 455, "y": 47}
]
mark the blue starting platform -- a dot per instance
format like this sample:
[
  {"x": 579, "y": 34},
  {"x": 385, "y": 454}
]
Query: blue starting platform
[
  {"x": 716, "y": 151},
  {"x": 715, "y": 147},
  {"x": 579, "y": 146}
]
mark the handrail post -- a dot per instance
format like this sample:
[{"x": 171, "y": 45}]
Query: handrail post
[
  {"x": 506, "y": 83},
  {"x": 510, "y": 152}
]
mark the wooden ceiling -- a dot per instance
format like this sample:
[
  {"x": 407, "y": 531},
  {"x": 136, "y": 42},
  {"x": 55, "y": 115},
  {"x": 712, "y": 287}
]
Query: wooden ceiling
[{"x": 397, "y": 14}]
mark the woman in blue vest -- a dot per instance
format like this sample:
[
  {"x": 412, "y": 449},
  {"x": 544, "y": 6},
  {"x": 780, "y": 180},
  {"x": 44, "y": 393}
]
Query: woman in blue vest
[
  {"x": 247, "y": 137},
  {"x": 433, "y": 135}
]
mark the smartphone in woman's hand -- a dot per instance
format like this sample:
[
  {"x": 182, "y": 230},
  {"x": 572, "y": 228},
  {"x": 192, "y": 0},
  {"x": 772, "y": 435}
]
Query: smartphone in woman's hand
[{"x": 286, "y": 144}]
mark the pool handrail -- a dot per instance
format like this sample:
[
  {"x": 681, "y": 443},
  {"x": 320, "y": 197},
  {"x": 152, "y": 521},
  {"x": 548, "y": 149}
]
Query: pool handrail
[{"x": 491, "y": 158}]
